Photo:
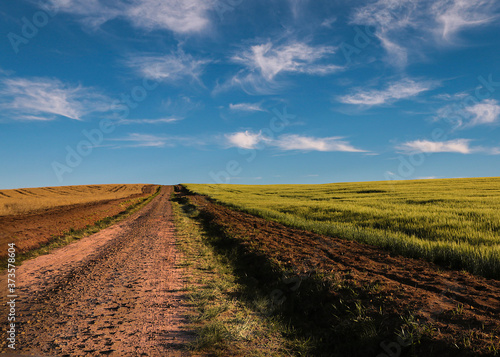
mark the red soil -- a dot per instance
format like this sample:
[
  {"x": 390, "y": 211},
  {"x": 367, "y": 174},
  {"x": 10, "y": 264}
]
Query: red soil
[{"x": 30, "y": 231}]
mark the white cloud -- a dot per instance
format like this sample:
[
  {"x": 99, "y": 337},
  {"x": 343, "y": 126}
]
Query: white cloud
[
  {"x": 181, "y": 16},
  {"x": 296, "y": 7},
  {"x": 404, "y": 26},
  {"x": 172, "y": 67},
  {"x": 308, "y": 143},
  {"x": 148, "y": 121},
  {"x": 245, "y": 139},
  {"x": 390, "y": 18},
  {"x": 403, "y": 89},
  {"x": 145, "y": 140},
  {"x": 463, "y": 115},
  {"x": 461, "y": 146},
  {"x": 329, "y": 22},
  {"x": 247, "y": 107},
  {"x": 44, "y": 99},
  {"x": 265, "y": 63},
  {"x": 93, "y": 13},
  {"x": 451, "y": 97},
  {"x": 486, "y": 112},
  {"x": 455, "y": 15},
  {"x": 250, "y": 83},
  {"x": 27, "y": 117},
  {"x": 249, "y": 140},
  {"x": 138, "y": 140},
  {"x": 295, "y": 57}
]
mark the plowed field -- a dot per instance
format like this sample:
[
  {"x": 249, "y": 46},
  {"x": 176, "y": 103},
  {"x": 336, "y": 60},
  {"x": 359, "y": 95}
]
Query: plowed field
[{"x": 49, "y": 212}]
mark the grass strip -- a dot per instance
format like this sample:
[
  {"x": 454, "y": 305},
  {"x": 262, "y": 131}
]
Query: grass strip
[{"x": 224, "y": 324}]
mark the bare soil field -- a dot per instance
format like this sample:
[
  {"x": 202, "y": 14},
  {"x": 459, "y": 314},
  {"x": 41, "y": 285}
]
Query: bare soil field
[
  {"x": 458, "y": 312},
  {"x": 33, "y": 200},
  {"x": 118, "y": 292},
  {"x": 50, "y": 216}
]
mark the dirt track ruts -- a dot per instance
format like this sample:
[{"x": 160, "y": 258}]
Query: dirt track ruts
[{"x": 118, "y": 292}]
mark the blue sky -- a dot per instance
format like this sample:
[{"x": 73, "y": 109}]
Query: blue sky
[{"x": 247, "y": 91}]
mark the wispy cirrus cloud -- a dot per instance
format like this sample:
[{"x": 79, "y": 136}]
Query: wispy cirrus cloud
[
  {"x": 486, "y": 112},
  {"x": 460, "y": 146},
  {"x": 185, "y": 16},
  {"x": 390, "y": 19},
  {"x": 148, "y": 121},
  {"x": 296, "y": 57},
  {"x": 453, "y": 16},
  {"x": 404, "y": 26},
  {"x": 267, "y": 63},
  {"x": 171, "y": 67},
  {"x": 395, "y": 91},
  {"x": 47, "y": 98},
  {"x": 451, "y": 97},
  {"x": 329, "y": 22},
  {"x": 139, "y": 140},
  {"x": 309, "y": 143},
  {"x": 144, "y": 140},
  {"x": 251, "y": 83},
  {"x": 160, "y": 140},
  {"x": 244, "y": 140},
  {"x": 296, "y": 7},
  {"x": 180, "y": 16},
  {"x": 250, "y": 140},
  {"x": 247, "y": 107}
]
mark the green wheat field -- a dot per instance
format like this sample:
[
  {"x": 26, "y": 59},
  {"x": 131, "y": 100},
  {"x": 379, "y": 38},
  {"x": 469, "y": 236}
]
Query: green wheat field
[{"x": 452, "y": 222}]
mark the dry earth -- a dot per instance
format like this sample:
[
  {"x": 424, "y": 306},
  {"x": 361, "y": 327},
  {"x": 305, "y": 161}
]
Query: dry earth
[
  {"x": 118, "y": 292},
  {"x": 33, "y": 229}
]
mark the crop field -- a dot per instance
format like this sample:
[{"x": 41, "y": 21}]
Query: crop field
[
  {"x": 452, "y": 222},
  {"x": 338, "y": 297},
  {"x": 29, "y": 200},
  {"x": 34, "y": 217}
]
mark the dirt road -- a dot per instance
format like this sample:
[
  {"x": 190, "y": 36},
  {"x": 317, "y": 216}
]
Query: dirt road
[{"x": 118, "y": 292}]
